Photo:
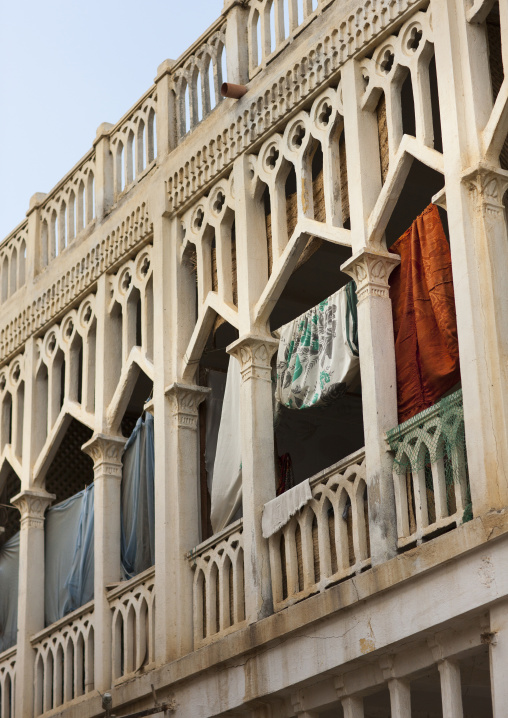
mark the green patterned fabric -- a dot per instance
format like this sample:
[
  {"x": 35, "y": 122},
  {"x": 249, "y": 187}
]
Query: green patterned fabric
[{"x": 318, "y": 353}]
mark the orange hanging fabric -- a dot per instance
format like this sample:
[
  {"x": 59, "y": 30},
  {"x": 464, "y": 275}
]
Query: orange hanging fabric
[{"x": 424, "y": 320}]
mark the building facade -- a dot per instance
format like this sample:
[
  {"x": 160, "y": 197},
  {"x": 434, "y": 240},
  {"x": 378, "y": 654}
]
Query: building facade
[{"x": 191, "y": 231}]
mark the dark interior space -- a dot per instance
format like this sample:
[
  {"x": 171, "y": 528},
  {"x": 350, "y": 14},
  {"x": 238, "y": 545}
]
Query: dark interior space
[
  {"x": 71, "y": 469},
  {"x": 10, "y": 486},
  {"x": 140, "y": 395}
]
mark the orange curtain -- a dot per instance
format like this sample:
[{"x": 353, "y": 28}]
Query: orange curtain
[{"x": 424, "y": 320}]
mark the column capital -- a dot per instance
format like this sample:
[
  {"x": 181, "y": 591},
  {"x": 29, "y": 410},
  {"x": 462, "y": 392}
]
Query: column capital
[
  {"x": 488, "y": 185},
  {"x": 185, "y": 400},
  {"x": 106, "y": 452},
  {"x": 371, "y": 271},
  {"x": 32, "y": 504},
  {"x": 254, "y": 354}
]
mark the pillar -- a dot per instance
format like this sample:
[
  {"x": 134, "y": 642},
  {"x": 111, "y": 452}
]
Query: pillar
[
  {"x": 254, "y": 355},
  {"x": 35, "y": 260},
  {"x": 451, "y": 691},
  {"x": 106, "y": 453},
  {"x": 237, "y": 46},
  {"x": 104, "y": 190},
  {"x": 479, "y": 249},
  {"x": 400, "y": 698},
  {"x": 166, "y": 111},
  {"x": 498, "y": 655},
  {"x": 353, "y": 707},
  {"x": 32, "y": 504}
]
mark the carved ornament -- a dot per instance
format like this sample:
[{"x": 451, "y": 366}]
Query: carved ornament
[
  {"x": 106, "y": 452},
  {"x": 488, "y": 186},
  {"x": 32, "y": 504},
  {"x": 185, "y": 400},
  {"x": 254, "y": 355},
  {"x": 371, "y": 272}
]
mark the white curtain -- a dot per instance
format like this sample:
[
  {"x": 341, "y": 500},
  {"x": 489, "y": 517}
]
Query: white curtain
[{"x": 227, "y": 471}]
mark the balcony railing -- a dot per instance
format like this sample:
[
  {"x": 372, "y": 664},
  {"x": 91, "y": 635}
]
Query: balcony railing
[
  {"x": 328, "y": 540},
  {"x": 430, "y": 471},
  {"x": 219, "y": 591},
  {"x": 133, "y": 606},
  {"x": 64, "y": 665},
  {"x": 7, "y": 682}
]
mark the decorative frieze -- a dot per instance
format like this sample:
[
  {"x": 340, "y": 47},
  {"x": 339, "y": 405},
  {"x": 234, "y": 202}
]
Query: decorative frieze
[
  {"x": 185, "y": 400},
  {"x": 106, "y": 453},
  {"x": 254, "y": 355},
  {"x": 371, "y": 272},
  {"x": 32, "y": 504}
]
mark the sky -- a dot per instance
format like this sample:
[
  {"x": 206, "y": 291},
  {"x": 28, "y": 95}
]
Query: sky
[{"x": 66, "y": 67}]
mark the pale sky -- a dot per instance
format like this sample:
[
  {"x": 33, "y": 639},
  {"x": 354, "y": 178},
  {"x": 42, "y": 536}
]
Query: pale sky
[{"x": 67, "y": 66}]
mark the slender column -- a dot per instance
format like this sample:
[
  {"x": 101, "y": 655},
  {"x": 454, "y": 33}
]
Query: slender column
[
  {"x": 166, "y": 114},
  {"x": 32, "y": 504},
  {"x": 353, "y": 707},
  {"x": 237, "y": 46},
  {"x": 498, "y": 651},
  {"x": 104, "y": 191},
  {"x": 371, "y": 271},
  {"x": 400, "y": 698},
  {"x": 180, "y": 507},
  {"x": 34, "y": 255},
  {"x": 106, "y": 452},
  {"x": 451, "y": 692},
  {"x": 479, "y": 250},
  {"x": 258, "y": 481}
]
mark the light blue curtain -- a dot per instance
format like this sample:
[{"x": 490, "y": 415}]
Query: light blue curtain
[
  {"x": 9, "y": 569},
  {"x": 138, "y": 504},
  {"x": 69, "y": 555}
]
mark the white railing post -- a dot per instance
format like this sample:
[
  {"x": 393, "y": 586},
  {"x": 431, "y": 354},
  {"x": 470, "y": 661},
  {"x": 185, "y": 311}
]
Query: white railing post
[
  {"x": 34, "y": 251},
  {"x": 32, "y": 504},
  {"x": 104, "y": 191},
  {"x": 237, "y": 45},
  {"x": 166, "y": 110}
]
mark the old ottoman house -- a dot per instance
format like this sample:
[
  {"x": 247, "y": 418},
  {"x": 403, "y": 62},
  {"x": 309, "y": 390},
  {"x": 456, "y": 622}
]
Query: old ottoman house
[{"x": 253, "y": 381}]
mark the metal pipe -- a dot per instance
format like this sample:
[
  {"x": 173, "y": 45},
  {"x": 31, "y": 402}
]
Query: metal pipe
[{"x": 233, "y": 91}]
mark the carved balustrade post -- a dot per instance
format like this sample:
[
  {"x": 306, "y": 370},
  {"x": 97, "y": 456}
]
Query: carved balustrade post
[
  {"x": 104, "y": 190},
  {"x": 237, "y": 46},
  {"x": 166, "y": 111},
  {"x": 35, "y": 253},
  {"x": 106, "y": 453},
  {"x": 179, "y": 502},
  {"x": 32, "y": 504},
  {"x": 479, "y": 248},
  {"x": 371, "y": 271},
  {"x": 254, "y": 354}
]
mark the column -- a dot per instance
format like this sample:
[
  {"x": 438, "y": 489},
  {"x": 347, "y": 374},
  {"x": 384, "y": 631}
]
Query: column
[
  {"x": 104, "y": 190},
  {"x": 32, "y": 504},
  {"x": 498, "y": 653},
  {"x": 237, "y": 46},
  {"x": 254, "y": 354},
  {"x": 35, "y": 260},
  {"x": 106, "y": 452},
  {"x": 400, "y": 698},
  {"x": 479, "y": 249},
  {"x": 371, "y": 272},
  {"x": 451, "y": 691},
  {"x": 166, "y": 113},
  {"x": 353, "y": 707},
  {"x": 371, "y": 267},
  {"x": 178, "y": 506}
]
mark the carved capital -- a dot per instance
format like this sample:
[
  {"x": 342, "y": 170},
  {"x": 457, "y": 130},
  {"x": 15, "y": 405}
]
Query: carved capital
[
  {"x": 106, "y": 453},
  {"x": 185, "y": 400},
  {"x": 488, "y": 186},
  {"x": 32, "y": 505},
  {"x": 254, "y": 355},
  {"x": 371, "y": 271}
]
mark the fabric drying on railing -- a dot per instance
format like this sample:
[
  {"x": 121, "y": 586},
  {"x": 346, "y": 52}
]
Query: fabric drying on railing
[
  {"x": 226, "y": 493},
  {"x": 9, "y": 570},
  {"x": 278, "y": 511},
  {"x": 137, "y": 502},
  {"x": 424, "y": 320},
  {"x": 317, "y": 358},
  {"x": 69, "y": 555}
]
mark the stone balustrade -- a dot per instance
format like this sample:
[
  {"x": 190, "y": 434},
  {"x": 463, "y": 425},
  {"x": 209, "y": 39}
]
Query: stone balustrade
[
  {"x": 219, "y": 591},
  {"x": 133, "y": 625},
  {"x": 64, "y": 663},
  {"x": 328, "y": 540},
  {"x": 7, "y": 682},
  {"x": 430, "y": 471}
]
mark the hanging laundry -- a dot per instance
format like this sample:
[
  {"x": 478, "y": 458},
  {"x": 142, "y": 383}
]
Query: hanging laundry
[
  {"x": 424, "y": 320},
  {"x": 226, "y": 491},
  {"x": 318, "y": 353},
  {"x": 9, "y": 569},
  {"x": 278, "y": 511},
  {"x": 137, "y": 546}
]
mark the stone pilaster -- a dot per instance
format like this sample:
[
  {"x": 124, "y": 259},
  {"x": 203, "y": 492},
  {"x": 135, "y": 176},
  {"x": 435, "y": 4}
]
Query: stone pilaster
[
  {"x": 237, "y": 46},
  {"x": 166, "y": 111},
  {"x": 371, "y": 271},
  {"x": 35, "y": 259},
  {"x": 106, "y": 453},
  {"x": 32, "y": 504},
  {"x": 254, "y": 354},
  {"x": 498, "y": 650},
  {"x": 104, "y": 190},
  {"x": 178, "y": 512}
]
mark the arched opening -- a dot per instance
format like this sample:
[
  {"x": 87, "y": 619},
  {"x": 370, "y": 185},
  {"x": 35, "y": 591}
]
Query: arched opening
[
  {"x": 71, "y": 470},
  {"x": 71, "y": 227},
  {"x": 10, "y": 486},
  {"x": 13, "y": 282},
  {"x": 140, "y": 148},
  {"x": 151, "y": 138},
  {"x": 90, "y": 197},
  {"x": 41, "y": 403},
  {"x": 44, "y": 243},
  {"x": 119, "y": 169},
  {"x": 5, "y": 279},
  {"x": 130, "y": 159},
  {"x": 6, "y": 427},
  {"x": 80, "y": 214},
  {"x": 141, "y": 392},
  {"x": 22, "y": 264}
]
